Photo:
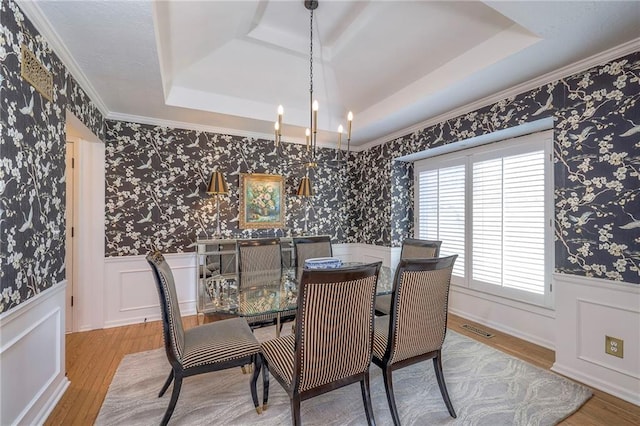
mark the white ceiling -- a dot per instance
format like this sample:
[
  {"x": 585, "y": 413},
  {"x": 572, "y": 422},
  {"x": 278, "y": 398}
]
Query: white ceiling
[{"x": 229, "y": 64}]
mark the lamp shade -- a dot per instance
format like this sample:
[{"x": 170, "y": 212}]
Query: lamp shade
[
  {"x": 305, "y": 189},
  {"x": 217, "y": 184}
]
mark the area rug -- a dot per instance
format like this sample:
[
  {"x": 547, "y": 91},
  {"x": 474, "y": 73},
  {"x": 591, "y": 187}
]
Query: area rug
[{"x": 487, "y": 387}]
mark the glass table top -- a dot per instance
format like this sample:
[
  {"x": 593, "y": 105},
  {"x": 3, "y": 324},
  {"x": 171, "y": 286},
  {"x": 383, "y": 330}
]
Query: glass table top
[{"x": 265, "y": 292}]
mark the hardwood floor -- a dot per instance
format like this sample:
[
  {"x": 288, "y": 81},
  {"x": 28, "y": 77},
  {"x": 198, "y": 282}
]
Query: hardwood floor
[{"x": 93, "y": 357}]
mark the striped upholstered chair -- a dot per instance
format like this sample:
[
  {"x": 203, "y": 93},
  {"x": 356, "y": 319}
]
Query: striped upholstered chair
[
  {"x": 308, "y": 248},
  {"x": 416, "y": 328},
  {"x": 201, "y": 349},
  {"x": 260, "y": 264},
  {"x": 321, "y": 357},
  {"x": 412, "y": 248},
  {"x": 260, "y": 261}
]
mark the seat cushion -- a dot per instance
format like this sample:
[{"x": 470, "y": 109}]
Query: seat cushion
[
  {"x": 280, "y": 355},
  {"x": 218, "y": 342},
  {"x": 380, "y": 336}
]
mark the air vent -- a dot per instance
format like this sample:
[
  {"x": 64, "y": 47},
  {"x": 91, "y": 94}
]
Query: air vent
[
  {"x": 478, "y": 331},
  {"x": 35, "y": 73}
]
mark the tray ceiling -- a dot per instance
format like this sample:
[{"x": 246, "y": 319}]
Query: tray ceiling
[{"x": 229, "y": 64}]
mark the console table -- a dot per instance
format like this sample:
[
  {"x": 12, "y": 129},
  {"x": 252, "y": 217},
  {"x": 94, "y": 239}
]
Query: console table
[{"x": 217, "y": 262}]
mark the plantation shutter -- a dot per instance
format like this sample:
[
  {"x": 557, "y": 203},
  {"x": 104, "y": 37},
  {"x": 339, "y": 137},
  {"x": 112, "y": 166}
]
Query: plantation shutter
[
  {"x": 509, "y": 222},
  {"x": 441, "y": 211}
]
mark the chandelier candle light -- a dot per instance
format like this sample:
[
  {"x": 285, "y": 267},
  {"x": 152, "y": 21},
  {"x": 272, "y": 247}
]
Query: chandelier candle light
[{"x": 312, "y": 131}]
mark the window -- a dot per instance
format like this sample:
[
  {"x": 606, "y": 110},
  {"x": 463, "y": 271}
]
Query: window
[{"x": 492, "y": 206}]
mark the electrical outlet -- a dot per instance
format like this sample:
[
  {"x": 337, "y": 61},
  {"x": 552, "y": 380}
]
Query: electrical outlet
[{"x": 614, "y": 346}]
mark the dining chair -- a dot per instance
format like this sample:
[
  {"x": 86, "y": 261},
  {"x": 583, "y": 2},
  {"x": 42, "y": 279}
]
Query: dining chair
[
  {"x": 260, "y": 264},
  {"x": 332, "y": 344},
  {"x": 416, "y": 328},
  {"x": 204, "y": 348},
  {"x": 412, "y": 248},
  {"x": 308, "y": 248}
]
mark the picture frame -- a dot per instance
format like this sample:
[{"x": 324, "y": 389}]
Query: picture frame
[{"x": 261, "y": 201}]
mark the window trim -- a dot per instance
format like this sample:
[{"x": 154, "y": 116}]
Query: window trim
[{"x": 499, "y": 149}]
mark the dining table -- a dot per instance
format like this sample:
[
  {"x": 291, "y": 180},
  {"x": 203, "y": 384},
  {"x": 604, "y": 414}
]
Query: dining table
[{"x": 269, "y": 292}]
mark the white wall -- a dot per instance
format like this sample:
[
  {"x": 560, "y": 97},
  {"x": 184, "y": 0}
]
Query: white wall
[
  {"x": 131, "y": 295},
  {"x": 587, "y": 310},
  {"x": 528, "y": 322},
  {"x": 32, "y": 363}
]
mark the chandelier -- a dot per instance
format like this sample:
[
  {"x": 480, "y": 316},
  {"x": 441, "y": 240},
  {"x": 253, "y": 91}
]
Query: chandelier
[{"x": 310, "y": 157}]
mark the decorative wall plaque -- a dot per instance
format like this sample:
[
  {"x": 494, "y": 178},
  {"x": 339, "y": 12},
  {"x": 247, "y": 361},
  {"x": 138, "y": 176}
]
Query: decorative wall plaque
[{"x": 35, "y": 73}]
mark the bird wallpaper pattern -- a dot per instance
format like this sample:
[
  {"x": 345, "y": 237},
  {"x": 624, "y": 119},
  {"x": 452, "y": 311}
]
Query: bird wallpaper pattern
[
  {"x": 156, "y": 180},
  {"x": 156, "y": 176},
  {"x": 32, "y": 162}
]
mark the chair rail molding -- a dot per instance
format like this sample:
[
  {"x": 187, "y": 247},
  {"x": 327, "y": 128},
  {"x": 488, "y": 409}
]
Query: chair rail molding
[{"x": 32, "y": 339}]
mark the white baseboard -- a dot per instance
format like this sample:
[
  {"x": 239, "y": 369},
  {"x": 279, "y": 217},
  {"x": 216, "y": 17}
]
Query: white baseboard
[
  {"x": 531, "y": 323},
  {"x": 603, "y": 385},
  {"x": 32, "y": 338},
  {"x": 516, "y": 332}
]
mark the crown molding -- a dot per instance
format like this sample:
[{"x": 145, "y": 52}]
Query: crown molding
[
  {"x": 566, "y": 71},
  {"x": 44, "y": 27},
  {"x": 185, "y": 125},
  {"x": 141, "y": 119},
  {"x": 202, "y": 128}
]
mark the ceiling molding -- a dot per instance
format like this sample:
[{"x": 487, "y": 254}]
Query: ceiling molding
[
  {"x": 44, "y": 27},
  {"x": 202, "y": 128},
  {"x": 185, "y": 125},
  {"x": 566, "y": 71}
]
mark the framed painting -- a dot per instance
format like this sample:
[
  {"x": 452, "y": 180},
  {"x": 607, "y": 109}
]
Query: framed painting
[{"x": 261, "y": 201}]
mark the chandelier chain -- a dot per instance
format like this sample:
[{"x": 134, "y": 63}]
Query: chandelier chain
[{"x": 311, "y": 53}]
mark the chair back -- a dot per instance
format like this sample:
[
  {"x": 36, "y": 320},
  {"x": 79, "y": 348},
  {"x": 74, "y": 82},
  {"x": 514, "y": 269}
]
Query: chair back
[
  {"x": 419, "y": 305},
  {"x": 173, "y": 331},
  {"x": 420, "y": 249},
  {"x": 334, "y": 325},
  {"x": 260, "y": 261},
  {"x": 310, "y": 247}
]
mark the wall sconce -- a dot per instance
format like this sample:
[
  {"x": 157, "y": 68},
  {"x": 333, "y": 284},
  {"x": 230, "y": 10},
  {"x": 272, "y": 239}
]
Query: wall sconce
[
  {"x": 305, "y": 190},
  {"x": 217, "y": 187}
]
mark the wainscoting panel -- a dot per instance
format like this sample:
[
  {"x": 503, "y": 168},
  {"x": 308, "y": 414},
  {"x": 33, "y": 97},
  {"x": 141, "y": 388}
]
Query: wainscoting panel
[
  {"x": 131, "y": 296},
  {"x": 32, "y": 374},
  {"x": 588, "y": 309},
  {"x": 531, "y": 323},
  {"x": 592, "y": 331}
]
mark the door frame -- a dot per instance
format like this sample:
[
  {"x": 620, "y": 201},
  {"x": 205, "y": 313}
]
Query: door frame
[{"x": 88, "y": 243}]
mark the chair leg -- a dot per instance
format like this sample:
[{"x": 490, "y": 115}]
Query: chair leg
[
  {"x": 366, "y": 399},
  {"x": 257, "y": 366},
  {"x": 437, "y": 365},
  {"x": 166, "y": 384},
  {"x": 177, "y": 384},
  {"x": 265, "y": 383},
  {"x": 295, "y": 410},
  {"x": 388, "y": 386}
]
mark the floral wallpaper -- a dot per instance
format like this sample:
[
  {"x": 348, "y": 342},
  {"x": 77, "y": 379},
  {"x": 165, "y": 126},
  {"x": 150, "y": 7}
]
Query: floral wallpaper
[
  {"x": 597, "y": 156},
  {"x": 32, "y": 163},
  {"x": 156, "y": 176},
  {"x": 156, "y": 179}
]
